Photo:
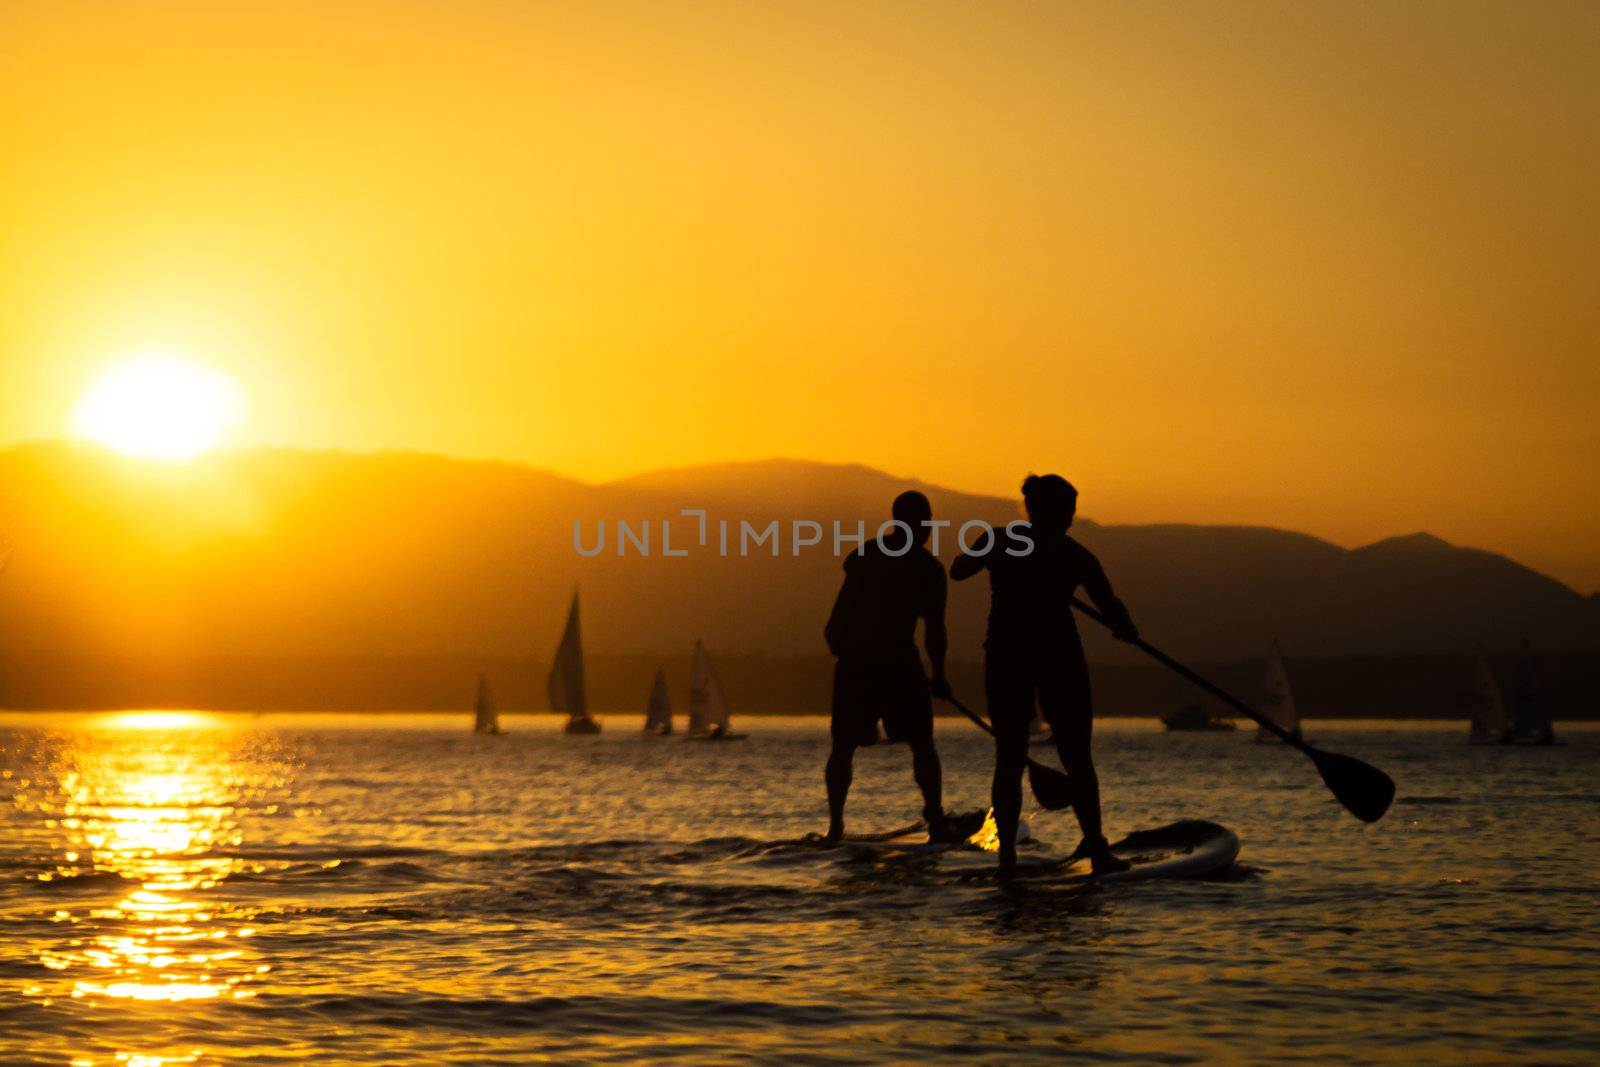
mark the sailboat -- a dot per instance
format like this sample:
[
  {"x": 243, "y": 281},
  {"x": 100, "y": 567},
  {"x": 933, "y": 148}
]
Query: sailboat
[
  {"x": 566, "y": 678},
  {"x": 658, "y": 714},
  {"x": 1277, "y": 699},
  {"x": 1530, "y": 723},
  {"x": 1491, "y": 723},
  {"x": 708, "y": 707},
  {"x": 485, "y": 717},
  {"x": 1196, "y": 717}
]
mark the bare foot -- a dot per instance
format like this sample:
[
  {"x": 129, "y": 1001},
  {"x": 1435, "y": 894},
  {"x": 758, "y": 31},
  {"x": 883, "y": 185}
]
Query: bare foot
[
  {"x": 1008, "y": 864},
  {"x": 1105, "y": 861}
]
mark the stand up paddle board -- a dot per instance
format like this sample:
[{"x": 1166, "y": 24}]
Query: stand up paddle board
[
  {"x": 981, "y": 835},
  {"x": 984, "y": 837},
  {"x": 1192, "y": 848}
]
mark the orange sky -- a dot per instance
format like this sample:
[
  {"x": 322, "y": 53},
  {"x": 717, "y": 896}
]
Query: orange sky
[{"x": 1326, "y": 267}]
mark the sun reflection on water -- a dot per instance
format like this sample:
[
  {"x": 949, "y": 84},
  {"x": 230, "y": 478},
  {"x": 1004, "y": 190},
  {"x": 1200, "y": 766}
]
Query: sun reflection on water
[
  {"x": 144, "y": 816},
  {"x": 141, "y": 1059}
]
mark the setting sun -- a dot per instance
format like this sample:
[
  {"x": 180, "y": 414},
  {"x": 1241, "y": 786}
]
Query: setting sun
[{"x": 156, "y": 406}]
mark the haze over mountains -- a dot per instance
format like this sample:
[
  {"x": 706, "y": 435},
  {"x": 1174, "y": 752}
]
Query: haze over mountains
[{"x": 272, "y": 552}]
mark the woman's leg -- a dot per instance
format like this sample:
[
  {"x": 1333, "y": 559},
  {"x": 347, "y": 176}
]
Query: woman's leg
[
  {"x": 1008, "y": 687},
  {"x": 1065, "y": 699}
]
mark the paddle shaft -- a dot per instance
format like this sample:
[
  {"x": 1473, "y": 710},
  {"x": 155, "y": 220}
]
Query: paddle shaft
[
  {"x": 974, "y": 716},
  {"x": 1204, "y": 683}
]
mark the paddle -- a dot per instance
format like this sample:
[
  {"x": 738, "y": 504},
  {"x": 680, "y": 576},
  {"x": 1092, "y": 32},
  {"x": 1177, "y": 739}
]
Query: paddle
[
  {"x": 1363, "y": 789},
  {"x": 1050, "y": 786}
]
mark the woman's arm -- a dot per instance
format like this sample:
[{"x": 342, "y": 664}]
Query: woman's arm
[
  {"x": 966, "y": 565},
  {"x": 1098, "y": 586}
]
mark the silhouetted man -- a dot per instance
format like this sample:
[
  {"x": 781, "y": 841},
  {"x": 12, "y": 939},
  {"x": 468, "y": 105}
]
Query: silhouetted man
[
  {"x": 890, "y": 584},
  {"x": 1032, "y": 652}
]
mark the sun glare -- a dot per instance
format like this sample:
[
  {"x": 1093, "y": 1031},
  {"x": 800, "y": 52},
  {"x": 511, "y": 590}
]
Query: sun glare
[
  {"x": 156, "y": 720},
  {"x": 157, "y": 406}
]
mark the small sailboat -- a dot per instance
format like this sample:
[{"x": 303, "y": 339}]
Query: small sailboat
[
  {"x": 658, "y": 713},
  {"x": 1277, "y": 699},
  {"x": 708, "y": 707},
  {"x": 1491, "y": 723},
  {"x": 1530, "y": 724},
  {"x": 566, "y": 678},
  {"x": 485, "y": 717},
  {"x": 1195, "y": 717}
]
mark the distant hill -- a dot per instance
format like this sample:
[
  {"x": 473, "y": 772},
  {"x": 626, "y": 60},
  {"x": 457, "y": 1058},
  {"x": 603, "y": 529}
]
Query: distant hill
[{"x": 287, "y": 553}]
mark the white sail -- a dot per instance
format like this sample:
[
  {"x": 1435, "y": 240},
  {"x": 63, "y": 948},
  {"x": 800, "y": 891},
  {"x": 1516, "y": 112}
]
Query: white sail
[
  {"x": 485, "y": 718},
  {"x": 1490, "y": 721},
  {"x": 708, "y": 708},
  {"x": 566, "y": 673},
  {"x": 1277, "y": 699},
  {"x": 658, "y": 714}
]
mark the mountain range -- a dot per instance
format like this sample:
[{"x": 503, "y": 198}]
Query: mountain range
[{"x": 282, "y": 552}]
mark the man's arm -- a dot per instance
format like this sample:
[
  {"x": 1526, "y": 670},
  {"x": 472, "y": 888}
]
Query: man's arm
[
  {"x": 838, "y": 631},
  {"x": 934, "y": 635},
  {"x": 1098, "y": 586}
]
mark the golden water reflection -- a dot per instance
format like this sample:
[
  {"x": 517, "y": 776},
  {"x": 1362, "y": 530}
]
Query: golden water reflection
[{"x": 149, "y": 804}]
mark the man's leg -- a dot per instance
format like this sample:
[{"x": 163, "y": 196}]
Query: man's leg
[
  {"x": 845, "y": 729},
  {"x": 838, "y": 773},
  {"x": 909, "y": 716},
  {"x": 930, "y": 779}
]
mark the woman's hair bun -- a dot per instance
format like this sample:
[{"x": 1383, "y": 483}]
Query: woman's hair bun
[{"x": 1048, "y": 485}]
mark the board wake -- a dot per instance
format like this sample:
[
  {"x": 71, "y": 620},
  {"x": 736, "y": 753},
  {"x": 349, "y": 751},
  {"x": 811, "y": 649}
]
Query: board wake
[{"x": 1191, "y": 848}]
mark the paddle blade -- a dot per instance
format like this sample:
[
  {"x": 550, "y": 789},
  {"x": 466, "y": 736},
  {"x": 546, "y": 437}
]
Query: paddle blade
[
  {"x": 1051, "y": 787},
  {"x": 1366, "y": 791}
]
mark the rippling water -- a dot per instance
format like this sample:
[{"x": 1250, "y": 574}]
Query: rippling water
[{"x": 184, "y": 888}]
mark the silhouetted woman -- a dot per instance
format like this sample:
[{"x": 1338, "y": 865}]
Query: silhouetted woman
[{"x": 1033, "y": 651}]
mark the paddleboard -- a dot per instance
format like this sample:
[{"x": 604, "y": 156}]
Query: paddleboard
[
  {"x": 1192, "y": 848},
  {"x": 913, "y": 839}
]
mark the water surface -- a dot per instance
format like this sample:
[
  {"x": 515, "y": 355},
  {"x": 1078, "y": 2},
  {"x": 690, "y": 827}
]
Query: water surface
[{"x": 189, "y": 888}]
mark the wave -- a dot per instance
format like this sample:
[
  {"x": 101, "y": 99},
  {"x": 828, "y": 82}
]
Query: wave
[
  {"x": 317, "y": 853},
  {"x": 574, "y": 1015},
  {"x": 339, "y": 870},
  {"x": 80, "y": 881},
  {"x": 658, "y": 850}
]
